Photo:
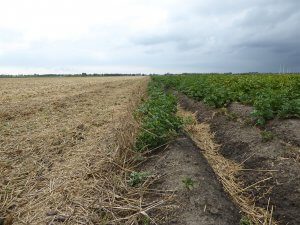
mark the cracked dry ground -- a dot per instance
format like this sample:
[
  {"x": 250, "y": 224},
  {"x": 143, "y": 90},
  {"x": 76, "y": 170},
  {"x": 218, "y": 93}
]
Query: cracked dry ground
[{"x": 53, "y": 133}]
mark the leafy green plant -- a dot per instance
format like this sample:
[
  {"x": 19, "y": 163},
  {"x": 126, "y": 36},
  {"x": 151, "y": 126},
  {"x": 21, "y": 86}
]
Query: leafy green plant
[
  {"x": 188, "y": 183},
  {"x": 136, "y": 178},
  {"x": 159, "y": 122}
]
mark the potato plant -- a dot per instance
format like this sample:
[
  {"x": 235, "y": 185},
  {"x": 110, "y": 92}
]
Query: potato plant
[
  {"x": 159, "y": 122},
  {"x": 270, "y": 95}
]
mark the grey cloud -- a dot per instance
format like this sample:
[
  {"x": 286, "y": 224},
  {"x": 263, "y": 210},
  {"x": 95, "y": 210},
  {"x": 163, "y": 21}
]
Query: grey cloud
[
  {"x": 158, "y": 39},
  {"x": 262, "y": 35}
]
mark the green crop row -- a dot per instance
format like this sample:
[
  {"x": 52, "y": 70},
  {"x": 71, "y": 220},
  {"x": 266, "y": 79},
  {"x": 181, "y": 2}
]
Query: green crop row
[
  {"x": 159, "y": 122},
  {"x": 271, "y": 95}
]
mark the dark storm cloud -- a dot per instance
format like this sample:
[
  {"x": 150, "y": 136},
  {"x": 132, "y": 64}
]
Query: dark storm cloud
[{"x": 234, "y": 35}]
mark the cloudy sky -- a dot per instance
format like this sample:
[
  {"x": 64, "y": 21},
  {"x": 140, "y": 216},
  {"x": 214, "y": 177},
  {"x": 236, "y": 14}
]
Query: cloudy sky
[{"x": 97, "y": 36}]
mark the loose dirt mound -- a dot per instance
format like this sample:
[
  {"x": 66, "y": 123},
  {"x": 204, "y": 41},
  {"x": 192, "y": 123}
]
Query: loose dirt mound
[
  {"x": 200, "y": 198},
  {"x": 55, "y": 133},
  {"x": 269, "y": 162}
]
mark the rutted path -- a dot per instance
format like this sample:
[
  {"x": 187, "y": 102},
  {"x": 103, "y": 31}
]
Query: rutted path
[{"x": 200, "y": 198}]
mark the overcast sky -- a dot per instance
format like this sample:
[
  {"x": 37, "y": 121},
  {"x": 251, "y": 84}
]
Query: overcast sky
[{"x": 97, "y": 36}]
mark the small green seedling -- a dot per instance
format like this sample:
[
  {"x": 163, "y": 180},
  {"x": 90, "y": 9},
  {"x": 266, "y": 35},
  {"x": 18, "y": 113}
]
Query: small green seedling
[
  {"x": 136, "y": 178},
  {"x": 188, "y": 120},
  {"x": 189, "y": 183},
  {"x": 245, "y": 221},
  {"x": 146, "y": 220},
  {"x": 104, "y": 220},
  {"x": 266, "y": 136},
  {"x": 232, "y": 116}
]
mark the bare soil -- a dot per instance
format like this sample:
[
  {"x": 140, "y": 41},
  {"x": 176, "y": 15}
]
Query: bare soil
[
  {"x": 204, "y": 202},
  {"x": 54, "y": 134},
  {"x": 286, "y": 129},
  {"x": 275, "y": 159}
]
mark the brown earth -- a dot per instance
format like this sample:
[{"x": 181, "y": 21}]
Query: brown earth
[
  {"x": 53, "y": 134},
  {"x": 275, "y": 159},
  {"x": 203, "y": 201}
]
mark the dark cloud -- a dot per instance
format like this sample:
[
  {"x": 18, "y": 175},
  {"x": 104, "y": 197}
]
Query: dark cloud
[{"x": 234, "y": 35}]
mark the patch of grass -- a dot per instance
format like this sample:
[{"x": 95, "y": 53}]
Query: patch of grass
[
  {"x": 159, "y": 122},
  {"x": 266, "y": 136},
  {"x": 188, "y": 183},
  {"x": 245, "y": 221},
  {"x": 137, "y": 178}
]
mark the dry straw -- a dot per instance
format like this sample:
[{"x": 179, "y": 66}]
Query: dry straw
[{"x": 62, "y": 165}]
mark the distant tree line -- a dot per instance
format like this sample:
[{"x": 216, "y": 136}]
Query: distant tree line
[{"x": 127, "y": 74}]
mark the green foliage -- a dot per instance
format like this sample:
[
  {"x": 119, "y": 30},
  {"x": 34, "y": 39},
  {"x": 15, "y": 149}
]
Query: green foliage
[
  {"x": 266, "y": 136},
  {"x": 136, "y": 178},
  {"x": 158, "y": 118},
  {"x": 271, "y": 95},
  {"x": 245, "y": 221},
  {"x": 188, "y": 183}
]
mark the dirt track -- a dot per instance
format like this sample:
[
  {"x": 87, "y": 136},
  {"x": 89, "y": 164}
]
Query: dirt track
[
  {"x": 204, "y": 202},
  {"x": 53, "y": 132}
]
